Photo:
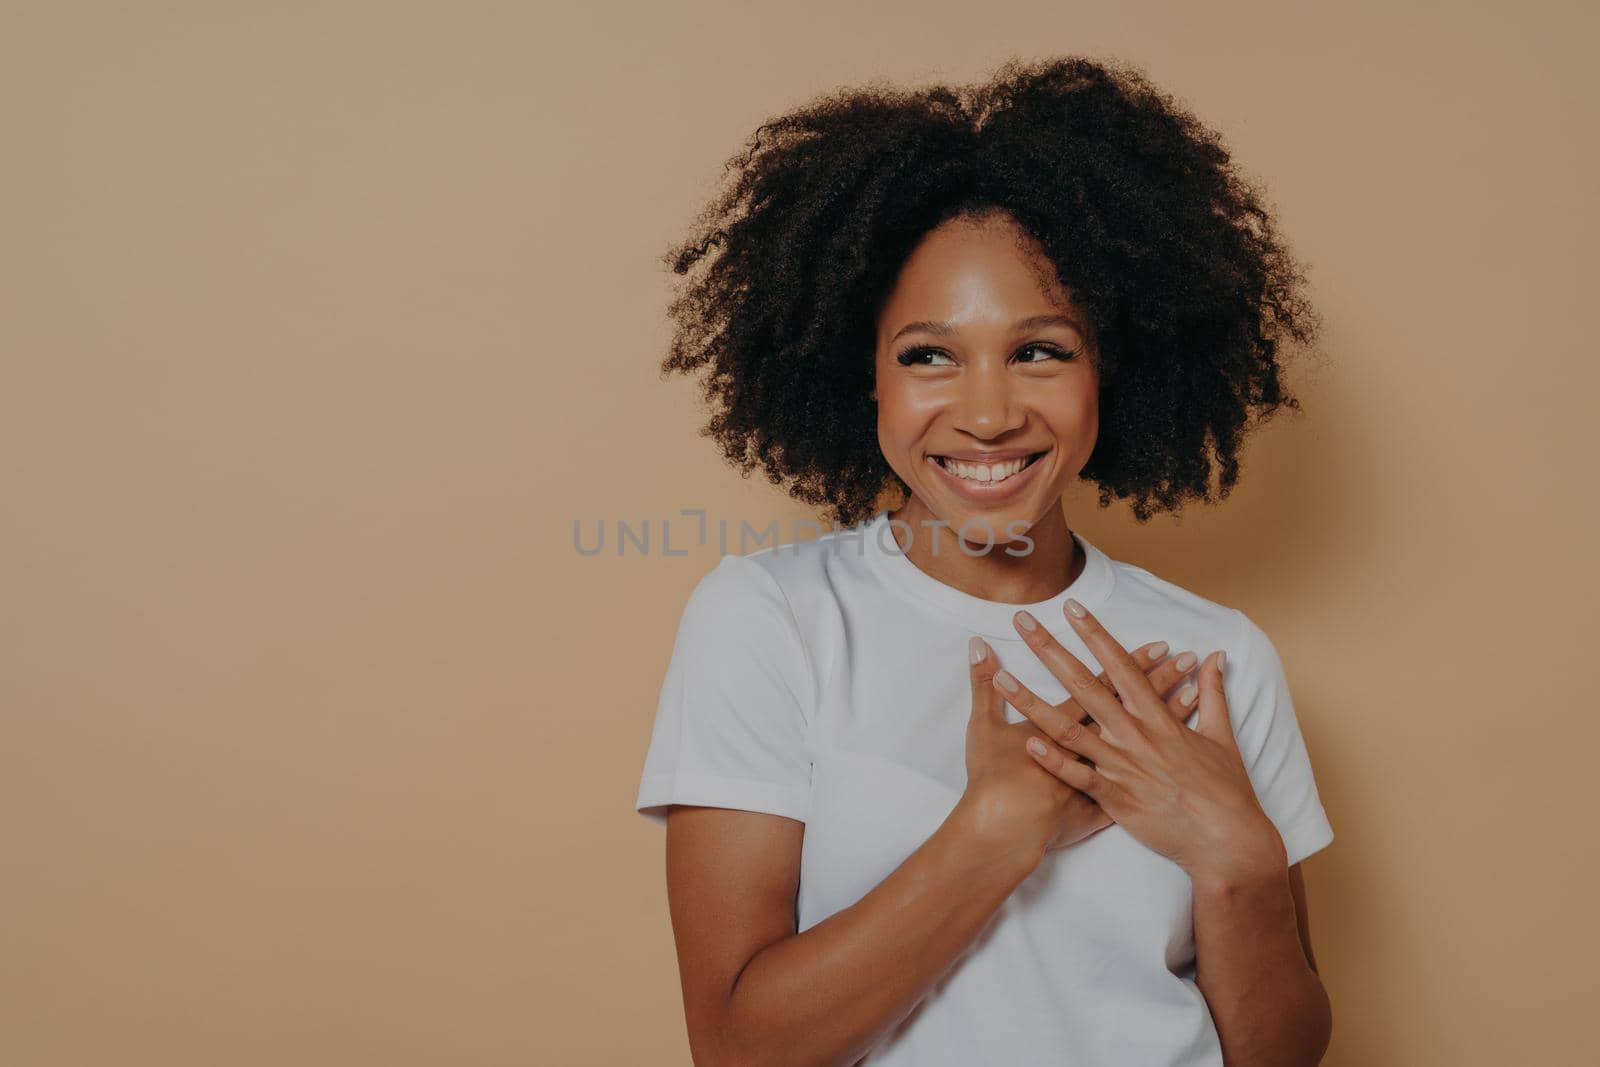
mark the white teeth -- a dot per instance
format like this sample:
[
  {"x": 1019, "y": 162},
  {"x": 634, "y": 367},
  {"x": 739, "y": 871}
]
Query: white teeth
[{"x": 981, "y": 472}]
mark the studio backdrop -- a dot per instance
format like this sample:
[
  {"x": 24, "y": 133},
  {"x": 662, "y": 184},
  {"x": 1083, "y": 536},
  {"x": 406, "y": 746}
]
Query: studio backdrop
[{"x": 329, "y": 328}]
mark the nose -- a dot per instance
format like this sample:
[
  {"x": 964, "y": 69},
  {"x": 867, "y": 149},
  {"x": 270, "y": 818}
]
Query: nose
[{"x": 987, "y": 406}]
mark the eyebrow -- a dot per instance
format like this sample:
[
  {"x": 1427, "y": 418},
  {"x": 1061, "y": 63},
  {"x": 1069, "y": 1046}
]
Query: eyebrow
[{"x": 944, "y": 329}]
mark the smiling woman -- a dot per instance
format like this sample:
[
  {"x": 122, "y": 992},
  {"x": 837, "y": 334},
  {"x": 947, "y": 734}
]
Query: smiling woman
[
  {"x": 952, "y": 785},
  {"x": 991, "y": 421}
]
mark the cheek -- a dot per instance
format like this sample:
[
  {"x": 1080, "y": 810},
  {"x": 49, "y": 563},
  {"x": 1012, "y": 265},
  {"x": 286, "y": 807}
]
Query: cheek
[
  {"x": 903, "y": 422},
  {"x": 902, "y": 416},
  {"x": 1073, "y": 419},
  {"x": 1074, "y": 413}
]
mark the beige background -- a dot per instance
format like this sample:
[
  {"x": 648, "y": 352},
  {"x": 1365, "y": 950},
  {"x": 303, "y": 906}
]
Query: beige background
[{"x": 323, "y": 322}]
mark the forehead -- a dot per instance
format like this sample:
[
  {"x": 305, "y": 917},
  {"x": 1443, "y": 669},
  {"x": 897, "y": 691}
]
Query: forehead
[{"x": 972, "y": 271}]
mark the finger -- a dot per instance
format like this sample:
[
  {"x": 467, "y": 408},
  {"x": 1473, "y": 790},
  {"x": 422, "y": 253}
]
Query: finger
[
  {"x": 1059, "y": 762},
  {"x": 1215, "y": 722},
  {"x": 1172, "y": 671},
  {"x": 1087, "y": 690},
  {"x": 987, "y": 707},
  {"x": 1128, "y": 678},
  {"x": 1163, "y": 676},
  {"x": 1060, "y": 726},
  {"x": 1182, "y": 703},
  {"x": 1150, "y": 659}
]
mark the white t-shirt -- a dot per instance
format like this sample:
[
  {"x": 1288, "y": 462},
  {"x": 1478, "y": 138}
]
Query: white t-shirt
[{"x": 827, "y": 681}]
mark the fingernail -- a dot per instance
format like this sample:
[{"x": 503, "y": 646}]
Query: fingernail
[
  {"x": 1003, "y": 678},
  {"x": 1184, "y": 662},
  {"x": 975, "y": 649},
  {"x": 1036, "y": 746},
  {"x": 1074, "y": 608},
  {"x": 1026, "y": 621},
  {"x": 1187, "y": 694},
  {"x": 1158, "y": 650},
  {"x": 1222, "y": 660}
]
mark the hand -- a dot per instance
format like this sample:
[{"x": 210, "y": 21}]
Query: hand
[
  {"x": 1183, "y": 793},
  {"x": 1013, "y": 800}
]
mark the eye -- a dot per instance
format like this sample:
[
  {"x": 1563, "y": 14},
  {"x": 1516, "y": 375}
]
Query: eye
[
  {"x": 1050, "y": 352},
  {"x": 923, "y": 356}
]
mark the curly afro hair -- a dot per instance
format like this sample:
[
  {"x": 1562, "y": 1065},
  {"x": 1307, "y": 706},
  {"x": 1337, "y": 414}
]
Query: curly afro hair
[{"x": 1170, "y": 252}]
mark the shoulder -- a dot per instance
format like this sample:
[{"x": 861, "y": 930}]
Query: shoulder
[
  {"x": 806, "y": 576},
  {"x": 748, "y": 603},
  {"x": 800, "y": 561},
  {"x": 736, "y": 595},
  {"x": 1147, "y": 603},
  {"x": 1142, "y": 593}
]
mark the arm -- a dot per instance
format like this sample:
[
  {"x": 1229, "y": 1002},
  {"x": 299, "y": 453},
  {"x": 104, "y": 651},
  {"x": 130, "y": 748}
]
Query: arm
[
  {"x": 756, "y": 992},
  {"x": 1255, "y": 966},
  {"x": 1189, "y": 795}
]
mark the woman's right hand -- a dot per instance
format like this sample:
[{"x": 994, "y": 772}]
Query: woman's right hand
[{"x": 1010, "y": 797}]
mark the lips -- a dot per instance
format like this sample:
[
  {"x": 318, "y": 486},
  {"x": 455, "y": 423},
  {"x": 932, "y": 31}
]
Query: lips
[
  {"x": 981, "y": 468},
  {"x": 997, "y": 478}
]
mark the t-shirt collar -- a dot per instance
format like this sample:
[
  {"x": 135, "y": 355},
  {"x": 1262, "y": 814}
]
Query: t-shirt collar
[{"x": 992, "y": 618}]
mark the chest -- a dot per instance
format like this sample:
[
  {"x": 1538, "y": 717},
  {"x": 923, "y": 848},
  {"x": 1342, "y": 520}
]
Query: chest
[{"x": 888, "y": 755}]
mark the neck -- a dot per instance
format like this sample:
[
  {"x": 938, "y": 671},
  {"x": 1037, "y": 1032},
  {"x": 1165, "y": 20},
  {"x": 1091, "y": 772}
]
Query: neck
[{"x": 1053, "y": 562}]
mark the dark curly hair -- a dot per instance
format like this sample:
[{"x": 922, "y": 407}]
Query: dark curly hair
[{"x": 1172, "y": 254}]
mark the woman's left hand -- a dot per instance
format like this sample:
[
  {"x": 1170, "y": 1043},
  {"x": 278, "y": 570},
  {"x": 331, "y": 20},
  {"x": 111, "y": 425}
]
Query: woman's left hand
[{"x": 1183, "y": 793}]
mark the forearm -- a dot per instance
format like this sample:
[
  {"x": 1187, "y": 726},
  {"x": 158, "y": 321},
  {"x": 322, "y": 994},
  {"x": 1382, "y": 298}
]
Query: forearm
[
  {"x": 822, "y": 997},
  {"x": 1268, "y": 1004}
]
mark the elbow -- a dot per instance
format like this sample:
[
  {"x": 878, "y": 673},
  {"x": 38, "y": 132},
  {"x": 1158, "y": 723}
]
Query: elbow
[
  {"x": 1316, "y": 1025},
  {"x": 709, "y": 1047},
  {"x": 725, "y": 1045},
  {"x": 1297, "y": 1036},
  {"x": 1325, "y": 1022},
  {"x": 717, "y": 1043}
]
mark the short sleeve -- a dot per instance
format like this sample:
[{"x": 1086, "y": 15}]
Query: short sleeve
[
  {"x": 1270, "y": 741},
  {"x": 732, "y": 720}
]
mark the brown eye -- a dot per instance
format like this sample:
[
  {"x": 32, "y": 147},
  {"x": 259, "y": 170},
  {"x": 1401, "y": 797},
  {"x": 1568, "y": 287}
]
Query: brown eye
[
  {"x": 1050, "y": 352},
  {"x": 922, "y": 356}
]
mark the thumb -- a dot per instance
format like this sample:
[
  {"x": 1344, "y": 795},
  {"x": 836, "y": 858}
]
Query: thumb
[
  {"x": 1215, "y": 721},
  {"x": 987, "y": 707}
]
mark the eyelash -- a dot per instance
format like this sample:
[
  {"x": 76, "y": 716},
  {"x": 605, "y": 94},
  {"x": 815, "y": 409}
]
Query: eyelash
[{"x": 908, "y": 357}]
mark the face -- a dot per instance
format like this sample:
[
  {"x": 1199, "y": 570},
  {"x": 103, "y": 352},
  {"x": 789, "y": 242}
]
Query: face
[{"x": 987, "y": 391}]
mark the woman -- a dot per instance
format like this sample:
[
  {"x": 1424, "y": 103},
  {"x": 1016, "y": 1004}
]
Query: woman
[{"x": 923, "y": 804}]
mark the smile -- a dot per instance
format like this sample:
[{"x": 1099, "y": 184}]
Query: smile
[{"x": 986, "y": 481}]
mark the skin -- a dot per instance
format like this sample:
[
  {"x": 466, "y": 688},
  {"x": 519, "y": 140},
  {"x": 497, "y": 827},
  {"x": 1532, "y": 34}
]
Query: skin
[
  {"x": 976, "y": 386},
  {"x": 755, "y": 990},
  {"x": 1186, "y": 795}
]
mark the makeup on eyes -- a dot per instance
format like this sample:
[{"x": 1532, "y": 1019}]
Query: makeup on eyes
[{"x": 910, "y": 356}]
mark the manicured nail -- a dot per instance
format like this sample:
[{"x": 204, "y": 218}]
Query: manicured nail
[
  {"x": 1187, "y": 694},
  {"x": 1158, "y": 650},
  {"x": 1074, "y": 608},
  {"x": 1184, "y": 662},
  {"x": 1036, "y": 746},
  {"x": 1003, "y": 678},
  {"x": 1026, "y": 621},
  {"x": 975, "y": 648},
  {"x": 1222, "y": 660}
]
